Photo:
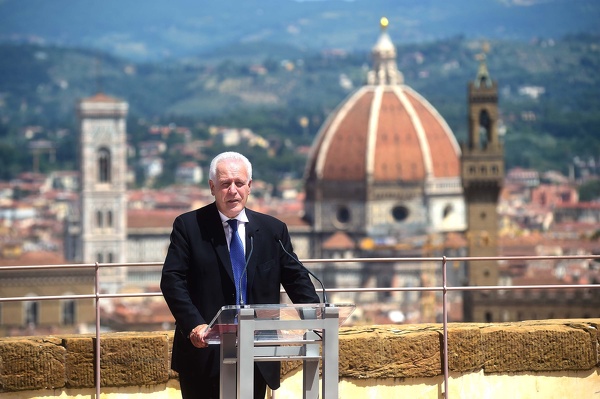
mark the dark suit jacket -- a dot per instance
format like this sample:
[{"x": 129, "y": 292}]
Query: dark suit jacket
[{"x": 197, "y": 280}]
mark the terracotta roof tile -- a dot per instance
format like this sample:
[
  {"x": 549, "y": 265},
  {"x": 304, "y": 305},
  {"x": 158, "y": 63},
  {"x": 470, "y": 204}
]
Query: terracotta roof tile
[{"x": 339, "y": 240}]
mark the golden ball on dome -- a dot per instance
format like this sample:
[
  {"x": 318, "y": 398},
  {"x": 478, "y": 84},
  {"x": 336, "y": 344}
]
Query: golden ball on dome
[{"x": 384, "y": 22}]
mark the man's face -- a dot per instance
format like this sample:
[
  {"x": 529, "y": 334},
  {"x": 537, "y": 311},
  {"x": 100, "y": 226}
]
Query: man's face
[{"x": 231, "y": 188}]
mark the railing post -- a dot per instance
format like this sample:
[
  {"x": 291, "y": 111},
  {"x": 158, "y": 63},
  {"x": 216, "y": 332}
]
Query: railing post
[
  {"x": 445, "y": 324},
  {"x": 97, "y": 347}
]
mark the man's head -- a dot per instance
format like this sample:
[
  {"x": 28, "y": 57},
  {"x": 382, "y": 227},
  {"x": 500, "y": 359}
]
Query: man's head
[{"x": 230, "y": 178}]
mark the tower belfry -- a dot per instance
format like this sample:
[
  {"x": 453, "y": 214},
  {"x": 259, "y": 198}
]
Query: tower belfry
[{"x": 482, "y": 172}]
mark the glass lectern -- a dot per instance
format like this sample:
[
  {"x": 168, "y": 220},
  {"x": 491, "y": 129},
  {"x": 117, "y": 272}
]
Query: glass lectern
[{"x": 255, "y": 333}]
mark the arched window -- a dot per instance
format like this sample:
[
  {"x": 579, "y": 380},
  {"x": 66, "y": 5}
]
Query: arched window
[
  {"x": 31, "y": 313},
  {"x": 99, "y": 257},
  {"x": 104, "y": 165},
  {"x": 68, "y": 312},
  {"x": 111, "y": 258},
  {"x": 485, "y": 125},
  {"x": 343, "y": 214}
]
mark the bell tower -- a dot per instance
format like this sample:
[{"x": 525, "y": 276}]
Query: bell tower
[
  {"x": 103, "y": 165},
  {"x": 482, "y": 172}
]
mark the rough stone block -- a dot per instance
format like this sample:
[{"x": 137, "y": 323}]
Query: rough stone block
[
  {"x": 464, "y": 348},
  {"x": 133, "y": 359},
  {"x": 538, "y": 348},
  {"x": 79, "y": 361},
  {"x": 387, "y": 352},
  {"x": 31, "y": 363}
]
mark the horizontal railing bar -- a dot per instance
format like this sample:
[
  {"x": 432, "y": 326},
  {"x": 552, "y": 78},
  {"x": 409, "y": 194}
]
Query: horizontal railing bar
[
  {"x": 44, "y": 267},
  {"x": 46, "y": 298},
  {"x": 329, "y": 290},
  {"x": 79, "y": 296},
  {"x": 465, "y": 288},
  {"x": 329, "y": 260},
  {"x": 449, "y": 259},
  {"x": 79, "y": 266}
]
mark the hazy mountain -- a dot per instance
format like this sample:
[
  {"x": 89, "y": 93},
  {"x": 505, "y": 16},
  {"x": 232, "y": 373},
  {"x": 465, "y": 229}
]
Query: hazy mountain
[{"x": 155, "y": 29}]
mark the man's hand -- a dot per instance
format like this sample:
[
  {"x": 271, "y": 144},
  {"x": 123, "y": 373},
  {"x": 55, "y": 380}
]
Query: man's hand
[{"x": 198, "y": 335}]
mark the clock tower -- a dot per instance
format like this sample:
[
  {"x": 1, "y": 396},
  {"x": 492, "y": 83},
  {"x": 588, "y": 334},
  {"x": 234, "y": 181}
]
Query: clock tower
[
  {"x": 103, "y": 165},
  {"x": 482, "y": 171}
]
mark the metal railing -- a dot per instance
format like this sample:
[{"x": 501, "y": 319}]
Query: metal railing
[{"x": 444, "y": 289}]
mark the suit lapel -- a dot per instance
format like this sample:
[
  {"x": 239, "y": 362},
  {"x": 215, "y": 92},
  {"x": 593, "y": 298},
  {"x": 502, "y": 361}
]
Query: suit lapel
[{"x": 214, "y": 229}]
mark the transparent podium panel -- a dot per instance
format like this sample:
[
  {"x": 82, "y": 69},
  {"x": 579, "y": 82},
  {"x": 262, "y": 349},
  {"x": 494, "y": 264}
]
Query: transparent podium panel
[
  {"x": 267, "y": 333},
  {"x": 226, "y": 321}
]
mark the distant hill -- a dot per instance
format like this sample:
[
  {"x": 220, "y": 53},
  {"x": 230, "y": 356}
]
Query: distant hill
[
  {"x": 159, "y": 30},
  {"x": 548, "y": 93}
]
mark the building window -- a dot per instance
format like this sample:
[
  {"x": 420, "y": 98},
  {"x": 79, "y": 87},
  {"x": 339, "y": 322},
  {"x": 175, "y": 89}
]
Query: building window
[
  {"x": 485, "y": 125},
  {"x": 99, "y": 219},
  {"x": 488, "y": 317},
  {"x": 399, "y": 213},
  {"x": 68, "y": 312},
  {"x": 99, "y": 257},
  {"x": 111, "y": 257},
  {"x": 519, "y": 316},
  {"x": 343, "y": 214},
  {"x": 104, "y": 165},
  {"x": 109, "y": 219},
  {"x": 448, "y": 210},
  {"x": 31, "y": 313}
]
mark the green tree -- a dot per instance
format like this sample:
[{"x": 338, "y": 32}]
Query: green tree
[{"x": 589, "y": 191}]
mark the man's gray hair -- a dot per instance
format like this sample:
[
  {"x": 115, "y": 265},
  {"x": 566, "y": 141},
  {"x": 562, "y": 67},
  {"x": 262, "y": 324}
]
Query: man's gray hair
[{"x": 226, "y": 156}]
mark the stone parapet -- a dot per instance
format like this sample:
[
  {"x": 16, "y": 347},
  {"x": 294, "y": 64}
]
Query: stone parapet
[
  {"x": 127, "y": 359},
  {"x": 410, "y": 351},
  {"x": 374, "y": 353}
]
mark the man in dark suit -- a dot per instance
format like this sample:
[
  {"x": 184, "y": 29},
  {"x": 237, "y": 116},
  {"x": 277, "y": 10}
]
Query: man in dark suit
[{"x": 198, "y": 277}]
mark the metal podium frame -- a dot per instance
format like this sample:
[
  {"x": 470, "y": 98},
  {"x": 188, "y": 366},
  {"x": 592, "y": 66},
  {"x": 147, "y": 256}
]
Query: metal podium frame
[{"x": 280, "y": 332}]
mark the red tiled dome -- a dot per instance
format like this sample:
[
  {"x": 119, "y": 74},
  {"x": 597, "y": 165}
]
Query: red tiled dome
[{"x": 384, "y": 132}]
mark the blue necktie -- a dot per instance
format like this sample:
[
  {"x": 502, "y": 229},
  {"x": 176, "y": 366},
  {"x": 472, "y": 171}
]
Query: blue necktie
[{"x": 238, "y": 261}]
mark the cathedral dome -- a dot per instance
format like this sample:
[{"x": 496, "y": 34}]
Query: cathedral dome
[
  {"x": 385, "y": 132},
  {"x": 385, "y": 157}
]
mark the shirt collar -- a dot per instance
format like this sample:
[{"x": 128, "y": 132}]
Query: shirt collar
[{"x": 241, "y": 217}]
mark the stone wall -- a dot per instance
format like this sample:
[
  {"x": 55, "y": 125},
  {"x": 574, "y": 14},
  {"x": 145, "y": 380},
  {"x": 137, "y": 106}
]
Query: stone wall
[{"x": 373, "y": 357}]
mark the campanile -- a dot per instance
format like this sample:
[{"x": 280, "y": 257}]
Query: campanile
[
  {"x": 103, "y": 165},
  {"x": 482, "y": 172}
]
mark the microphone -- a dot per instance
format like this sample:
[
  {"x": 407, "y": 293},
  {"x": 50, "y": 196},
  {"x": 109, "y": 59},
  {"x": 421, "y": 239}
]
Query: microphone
[
  {"x": 305, "y": 268},
  {"x": 241, "y": 299}
]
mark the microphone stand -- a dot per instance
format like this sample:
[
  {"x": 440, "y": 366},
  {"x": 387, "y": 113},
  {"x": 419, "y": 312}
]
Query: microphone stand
[
  {"x": 305, "y": 268},
  {"x": 241, "y": 298}
]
